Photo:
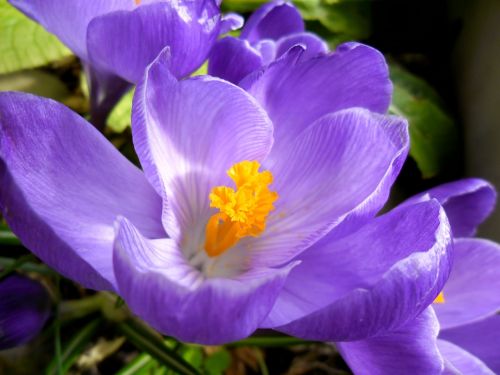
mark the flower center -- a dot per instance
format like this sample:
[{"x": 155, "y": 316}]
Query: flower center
[
  {"x": 439, "y": 298},
  {"x": 242, "y": 212},
  {"x": 137, "y": 2}
]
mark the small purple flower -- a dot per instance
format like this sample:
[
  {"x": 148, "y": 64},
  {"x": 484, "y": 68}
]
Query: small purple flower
[
  {"x": 469, "y": 338},
  {"x": 255, "y": 208},
  {"x": 24, "y": 309},
  {"x": 117, "y": 39},
  {"x": 463, "y": 334},
  {"x": 270, "y": 32}
]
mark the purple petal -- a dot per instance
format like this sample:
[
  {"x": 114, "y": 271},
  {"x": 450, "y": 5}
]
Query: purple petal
[
  {"x": 481, "y": 339},
  {"x": 232, "y": 59},
  {"x": 105, "y": 92},
  {"x": 231, "y": 22},
  {"x": 467, "y": 202},
  {"x": 411, "y": 349},
  {"x": 62, "y": 186},
  {"x": 187, "y": 135},
  {"x": 24, "y": 309},
  {"x": 370, "y": 282},
  {"x": 163, "y": 289},
  {"x": 335, "y": 176},
  {"x": 459, "y": 361},
  {"x": 472, "y": 291},
  {"x": 295, "y": 92},
  {"x": 189, "y": 28},
  {"x": 68, "y": 20},
  {"x": 312, "y": 43},
  {"x": 273, "y": 21},
  {"x": 267, "y": 49}
]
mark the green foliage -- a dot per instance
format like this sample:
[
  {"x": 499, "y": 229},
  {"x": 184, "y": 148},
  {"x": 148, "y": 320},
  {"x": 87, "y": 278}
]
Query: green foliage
[
  {"x": 143, "y": 338},
  {"x": 433, "y": 134},
  {"x": 25, "y": 44},
  {"x": 241, "y": 5},
  {"x": 218, "y": 362},
  {"x": 343, "y": 19},
  {"x": 35, "y": 82},
  {"x": 7, "y": 237},
  {"x": 63, "y": 362}
]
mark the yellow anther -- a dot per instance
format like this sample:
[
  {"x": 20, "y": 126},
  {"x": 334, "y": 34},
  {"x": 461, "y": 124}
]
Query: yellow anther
[
  {"x": 439, "y": 298},
  {"x": 137, "y": 2},
  {"x": 242, "y": 212}
]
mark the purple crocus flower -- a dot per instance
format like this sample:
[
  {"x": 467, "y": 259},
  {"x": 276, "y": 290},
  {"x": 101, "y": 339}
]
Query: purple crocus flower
[
  {"x": 255, "y": 208},
  {"x": 460, "y": 333},
  {"x": 271, "y": 30},
  {"x": 117, "y": 39},
  {"x": 24, "y": 309}
]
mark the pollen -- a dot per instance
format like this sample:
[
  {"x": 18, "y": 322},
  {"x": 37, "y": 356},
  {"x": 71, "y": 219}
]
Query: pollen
[
  {"x": 439, "y": 298},
  {"x": 137, "y": 2},
  {"x": 243, "y": 210}
]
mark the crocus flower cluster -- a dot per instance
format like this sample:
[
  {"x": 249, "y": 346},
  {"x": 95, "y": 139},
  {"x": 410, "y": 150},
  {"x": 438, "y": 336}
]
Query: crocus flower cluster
[
  {"x": 24, "y": 308},
  {"x": 256, "y": 205},
  {"x": 269, "y": 32}
]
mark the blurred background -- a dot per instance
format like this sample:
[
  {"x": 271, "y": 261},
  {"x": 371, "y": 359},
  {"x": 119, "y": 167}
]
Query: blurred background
[{"x": 444, "y": 60}]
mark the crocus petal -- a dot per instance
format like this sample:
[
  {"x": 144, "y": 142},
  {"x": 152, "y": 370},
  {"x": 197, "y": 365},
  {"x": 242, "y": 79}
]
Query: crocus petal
[
  {"x": 189, "y": 28},
  {"x": 69, "y": 19},
  {"x": 273, "y": 21},
  {"x": 62, "y": 186},
  {"x": 354, "y": 76},
  {"x": 163, "y": 289},
  {"x": 232, "y": 59},
  {"x": 467, "y": 202},
  {"x": 267, "y": 49},
  {"x": 24, "y": 309},
  {"x": 481, "y": 339},
  {"x": 187, "y": 135},
  {"x": 105, "y": 91},
  {"x": 472, "y": 292},
  {"x": 312, "y": 43},
  {"x": 370, "y": 282},
  {"x": 337, "y": 174},
  {"x": 411, "y": 349},
  {"x": 231, "y": 22},
  {"x": 459, "y": 361}
]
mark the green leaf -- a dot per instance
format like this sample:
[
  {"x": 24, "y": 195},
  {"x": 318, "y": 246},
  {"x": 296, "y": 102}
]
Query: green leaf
[
  {"x": 143, "y": 364},
  {"x": 241, "y": 5},
  {"x": 25, "y": 44},
  {"x": 5, "y": 271},
  {"x": 74, "y": 348},
  {"x": 269, "y": 341},
  {"x": 25, "y": 266},
  {"x": 145, "y": 339},
  {"x": 433, "y": 134},
  {"x": 35, "y": 82},
  {"x": 346, "y": 19},
  {"x": 218, "y": 362},
  {"x": 193, "y": 355},
  {"x": 7, "y": 237}
]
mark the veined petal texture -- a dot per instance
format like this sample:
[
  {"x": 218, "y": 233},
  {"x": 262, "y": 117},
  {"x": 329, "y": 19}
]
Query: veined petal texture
[
  {"x": 63, "y": 185},
  {"x": 370, "y": 282},
  {"x": 412, "y": 349},
  {"x": 160, "y": 286}
]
